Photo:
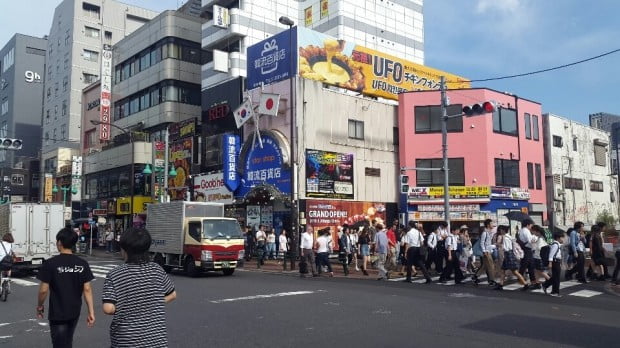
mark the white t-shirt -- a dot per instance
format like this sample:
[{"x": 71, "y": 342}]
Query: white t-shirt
[
  {"x": 8, "y": 246},
  {"x": 260, "y": 235},
  {"x": 538, "y": 243},
  {"x": 324, "y": 244},
  {"x": 283, "y": 243},
  {"x": 271, "y": 238},
  {"x": 306, "y": 241}
]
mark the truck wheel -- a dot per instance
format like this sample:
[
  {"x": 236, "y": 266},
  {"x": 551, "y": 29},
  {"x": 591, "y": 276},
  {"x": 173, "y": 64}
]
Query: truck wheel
[
  {"x": 190, "y": 267},
  {"x": 159, "y": 259},
  {"x": 228, "y": 271}
]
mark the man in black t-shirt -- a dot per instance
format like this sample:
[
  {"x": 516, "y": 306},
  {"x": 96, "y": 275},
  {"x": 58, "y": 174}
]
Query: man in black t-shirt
[{"x": 66, "y": 277}]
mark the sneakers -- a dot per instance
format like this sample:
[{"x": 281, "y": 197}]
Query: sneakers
[
  {"x": 357, "y": 269},
  {"x": 535, "y": 286},
  {"x": 555, "y": 294},
  {"x": 428, "y": 281},
  {"x": 498, "y": 287},
  {"x": 525, "y": 287}
]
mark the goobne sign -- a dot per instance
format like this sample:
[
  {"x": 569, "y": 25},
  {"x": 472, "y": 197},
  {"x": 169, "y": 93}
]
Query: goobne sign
[{"x": 211, "y": 188}]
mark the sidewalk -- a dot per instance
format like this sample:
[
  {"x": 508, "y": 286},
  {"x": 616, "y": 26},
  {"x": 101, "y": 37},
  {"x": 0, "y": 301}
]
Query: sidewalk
[{"x": 100, "y": 253}]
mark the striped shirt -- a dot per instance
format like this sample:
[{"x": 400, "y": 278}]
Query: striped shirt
[{"x": 137, "y": 291}]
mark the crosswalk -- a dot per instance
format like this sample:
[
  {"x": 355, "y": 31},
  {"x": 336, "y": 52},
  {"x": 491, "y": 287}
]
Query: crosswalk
[
  {"x": 99, "y": 271},
  {"x": 512, "y": 286}
]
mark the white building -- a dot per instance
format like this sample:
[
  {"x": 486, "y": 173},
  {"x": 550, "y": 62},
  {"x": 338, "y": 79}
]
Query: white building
[
  {"x": 394, "y": 27},
  {"x": 580, "y": 185},
  {"x": 79, "y": 30}
]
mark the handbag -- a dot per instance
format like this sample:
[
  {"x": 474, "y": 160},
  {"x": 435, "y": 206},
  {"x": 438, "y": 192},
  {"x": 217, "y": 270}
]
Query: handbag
[{"x": 7, "y": 261}]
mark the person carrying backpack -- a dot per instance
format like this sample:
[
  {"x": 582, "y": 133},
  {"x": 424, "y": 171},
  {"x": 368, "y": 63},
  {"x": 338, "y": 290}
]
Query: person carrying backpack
[
  {"x": 540, "y": 253},
  {"x": 555, "y": 264},
  {"x": 524, "y": 239},
  {"x": 509, "y": 262},
  {"x": 487, "y": 249}
]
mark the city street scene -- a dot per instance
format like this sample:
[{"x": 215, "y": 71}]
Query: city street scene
[{"x": 302, "y": 173}]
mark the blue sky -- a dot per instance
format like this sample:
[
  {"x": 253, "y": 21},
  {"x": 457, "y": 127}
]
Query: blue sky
[{"x": 477, "y": 39}]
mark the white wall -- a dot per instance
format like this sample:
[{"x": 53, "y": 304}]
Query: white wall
[{"x": 577, "y": 205}]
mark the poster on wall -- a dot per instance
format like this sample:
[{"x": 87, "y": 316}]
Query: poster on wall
[
  {"x": 329, "y": 174},
  {"x": 253, "y": 216},
  {"x": 324, "y": 8},
  {"x": 181, "y": 159},
  {"x": 266, "y": 216},
  {"x": 328, "y": 213},
  {"x": 354, "y": 67}
]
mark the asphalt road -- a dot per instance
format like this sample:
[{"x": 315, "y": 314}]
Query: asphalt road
[{"x": 253, "y": 309}]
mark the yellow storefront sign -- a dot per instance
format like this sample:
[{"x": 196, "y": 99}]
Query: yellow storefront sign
[
  {"x": 139, "y": 205},
  {"x": 354, "y": 67},
  {"x": 461, "y": 191}
]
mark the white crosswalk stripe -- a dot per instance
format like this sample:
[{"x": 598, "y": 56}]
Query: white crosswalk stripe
[
  {"x": 24, "y": 282},
  {"x": 585, "y": 293}
]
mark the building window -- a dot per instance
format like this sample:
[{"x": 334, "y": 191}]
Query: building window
[
  {"x": 90, "y": 10},
  {"x": 55, "y": 89},
  {"x": 530, "y": 175},
  {"x": 47, "y": 117},
  {"x": 596, "y": 186},
  {"x": 573, "y": 184},
  {"x": 428, "y": 119},
  {"x": 505, "y": 121},
  {"x": 36, "y": 51},
  {"x": 8, "y": 60},
  {"x": 65, "y": 83},
  {"x": 63, "y": 132},
  {"x": 89, "y": 78},
  {"x": 535, "y": 129},
  {"x": 557, "y": 141},
  {"x": 4, "y": 129},
  {"x": 456, "y": 167},
  {"x": 108, "y": 37},
  {"x": 55, "y": 112},
  {"x": 54, "y": 136},
  {"x": 64, "y": 108},
  {"x": 92, "y": 56},
  {"x": 47, "y": 138},
  {"x": 49, "y": 92},
  {"x": 164, "y": 91},
  {"x": 600, "y": 155},
  {"x": 507, "y": 173},
  {"x": 5, "y": 107},
  {"x": 66, "y": 64},
  {"x": 528, "y": 127},
  {"x": 356, "y": 129},
  {"x": 91, "y": 32},
  {"x": 538, "y": 170},
  {"x": 395, "y": 139},
  {"x": 575, "y": 145},
  {"x": 68, "y": 38},
  {"x": 90, "y": 139}
]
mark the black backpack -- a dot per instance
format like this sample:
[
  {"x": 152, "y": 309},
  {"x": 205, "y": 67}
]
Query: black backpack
[
  {"x": 7, "y": 261},
  {"x": 544, "y": 253}
]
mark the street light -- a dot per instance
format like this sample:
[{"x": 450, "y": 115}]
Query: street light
[
  {"x": 289, "y": 22},
  {"x": 132, "y": 178},
  {"x": 64, "y": 190}
]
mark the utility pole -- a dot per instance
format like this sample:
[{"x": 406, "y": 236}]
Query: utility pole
[{"x": 444, "y": 146}]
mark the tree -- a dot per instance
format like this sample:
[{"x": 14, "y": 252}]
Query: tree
[{"x": 608, "y": 219}]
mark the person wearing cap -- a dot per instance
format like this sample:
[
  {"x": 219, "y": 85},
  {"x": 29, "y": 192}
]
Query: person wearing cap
[
  {"x": 487, "y": 260},
  {"x": 452, "y": 260}
]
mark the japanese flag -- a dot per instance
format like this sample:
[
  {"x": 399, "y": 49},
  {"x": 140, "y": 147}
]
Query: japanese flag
[
  {"x": 244, "y": 112},
  {"x": 269, "y": 103}
]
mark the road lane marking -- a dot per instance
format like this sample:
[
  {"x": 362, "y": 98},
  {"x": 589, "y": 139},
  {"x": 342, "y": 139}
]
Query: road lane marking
[
  {"x": 100, "y": 275},
  {"x": 255, "y": 297},
  {"x": 23, "y": 282},
  {"x": 585, "y": 293}
]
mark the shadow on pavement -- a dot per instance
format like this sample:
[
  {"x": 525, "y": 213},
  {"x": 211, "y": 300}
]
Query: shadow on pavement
[{"x": 564, "y": 332}]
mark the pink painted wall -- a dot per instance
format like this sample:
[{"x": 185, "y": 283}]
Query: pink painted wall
[{"x": 477, "y": 144}]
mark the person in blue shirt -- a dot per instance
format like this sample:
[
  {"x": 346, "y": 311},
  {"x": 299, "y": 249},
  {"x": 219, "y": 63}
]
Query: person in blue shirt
[{"x": 577, "y": 248}]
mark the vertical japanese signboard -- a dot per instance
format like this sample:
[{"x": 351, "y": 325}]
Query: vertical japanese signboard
[
  {"x": 231, "y": 144},
  {"x": 49, "y": 183},
  {"x": 76, "y": 178},
  {"x": 106, "y": 92}
]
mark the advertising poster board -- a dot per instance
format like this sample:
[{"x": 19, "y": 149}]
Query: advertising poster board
[{"x": 329, "y": 174}]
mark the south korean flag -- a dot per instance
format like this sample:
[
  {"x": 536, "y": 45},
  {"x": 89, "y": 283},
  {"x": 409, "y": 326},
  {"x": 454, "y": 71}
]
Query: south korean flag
[{"x": 244, "y": 112}]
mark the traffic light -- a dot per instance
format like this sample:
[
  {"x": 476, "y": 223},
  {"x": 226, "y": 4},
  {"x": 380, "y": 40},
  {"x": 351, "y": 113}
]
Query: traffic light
[
  {"x": 404, "y": 184},
  {"x": 10, "y": 144},
  {"x": 479, "y": 108}
]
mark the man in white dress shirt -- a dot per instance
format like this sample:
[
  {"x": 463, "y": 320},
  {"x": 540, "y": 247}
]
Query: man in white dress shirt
[
  {"x": 306, "y": 244},
  {"x": 414, "y": 240},
  {"x": 525, "y": 239}
]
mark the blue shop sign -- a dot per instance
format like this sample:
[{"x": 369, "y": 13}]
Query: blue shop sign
[
  {"x": 495, "y": 204},
  {"x": 231, "y": 144},
  {"x": 265, "y": 166},
  {"x": 273, "y": 59}
]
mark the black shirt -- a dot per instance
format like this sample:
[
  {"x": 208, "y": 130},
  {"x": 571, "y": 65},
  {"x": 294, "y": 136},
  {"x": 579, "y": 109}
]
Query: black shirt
[{"x": 66, "y": 275}]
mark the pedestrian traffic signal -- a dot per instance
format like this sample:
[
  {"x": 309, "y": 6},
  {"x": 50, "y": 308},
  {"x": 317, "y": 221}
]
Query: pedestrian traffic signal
[
  {"x": 404, "y": 184},
  {"x": 10, "y": 144},
  {"x": 479, "y": 108}
]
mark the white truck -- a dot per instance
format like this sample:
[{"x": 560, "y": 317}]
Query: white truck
[
  {"x": 34, "y": 227},
  {"x": 195, "y": 237}
]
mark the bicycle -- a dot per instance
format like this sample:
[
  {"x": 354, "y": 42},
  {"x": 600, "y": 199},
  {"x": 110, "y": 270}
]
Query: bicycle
[{"x": 5, "y": 286}]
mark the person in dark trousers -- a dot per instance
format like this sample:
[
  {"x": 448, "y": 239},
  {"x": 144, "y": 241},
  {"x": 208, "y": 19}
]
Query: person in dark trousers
[
  {"x": 345, "y": 249},
  {"x": 524, "y": 239},
  {"x": 453, "y": 263},
  {"x": 614, "y": 278},
  {"x": 413, "y": 242},
  {"x": 441, "y": 254},
  {"x": 431, "y": 257},
  {"x": 577, "y": 247},
  {"x": 66, "y": 278},
  {"x": 249, "y": 243},
  {"x": 555, "y": 264}
]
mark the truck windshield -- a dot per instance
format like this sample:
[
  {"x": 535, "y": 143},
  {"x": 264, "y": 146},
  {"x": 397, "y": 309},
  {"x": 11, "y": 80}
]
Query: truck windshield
[{"x": 220, "y": 229}]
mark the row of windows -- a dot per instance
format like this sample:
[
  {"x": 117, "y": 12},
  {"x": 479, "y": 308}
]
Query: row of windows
[
  {"x": 164, "y": 91},
  {"x": 600, "y": 150},
  {"x": 577, "y": 184},
  {"x": 165, "y": 48},
  {"x": 531, "y": 127},
  {"x": 64, "y": 112},
  {"x": 116, "y": 183},
  {"x": 54, "y": 138}
]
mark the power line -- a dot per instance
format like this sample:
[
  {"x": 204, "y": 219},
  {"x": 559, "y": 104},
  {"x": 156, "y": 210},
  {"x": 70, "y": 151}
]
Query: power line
[{"x": 543, "y": 70}]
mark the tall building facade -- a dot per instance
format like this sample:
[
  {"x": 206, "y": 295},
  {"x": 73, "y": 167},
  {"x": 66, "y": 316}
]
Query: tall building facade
[
  {"x": 78, "y": 32},
  {"x": 22, "y": 73},
  {"x": 233, "y": 26},
  {"x": 578, "y": 168},
  {"x": 155, "y": 86}
]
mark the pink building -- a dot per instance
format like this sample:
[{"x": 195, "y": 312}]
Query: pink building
[{"x": 496, "y": 160}]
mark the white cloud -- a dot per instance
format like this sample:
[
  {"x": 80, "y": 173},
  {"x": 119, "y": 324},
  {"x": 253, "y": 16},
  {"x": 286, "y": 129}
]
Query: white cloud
[{"x": 504, "y": 6}]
